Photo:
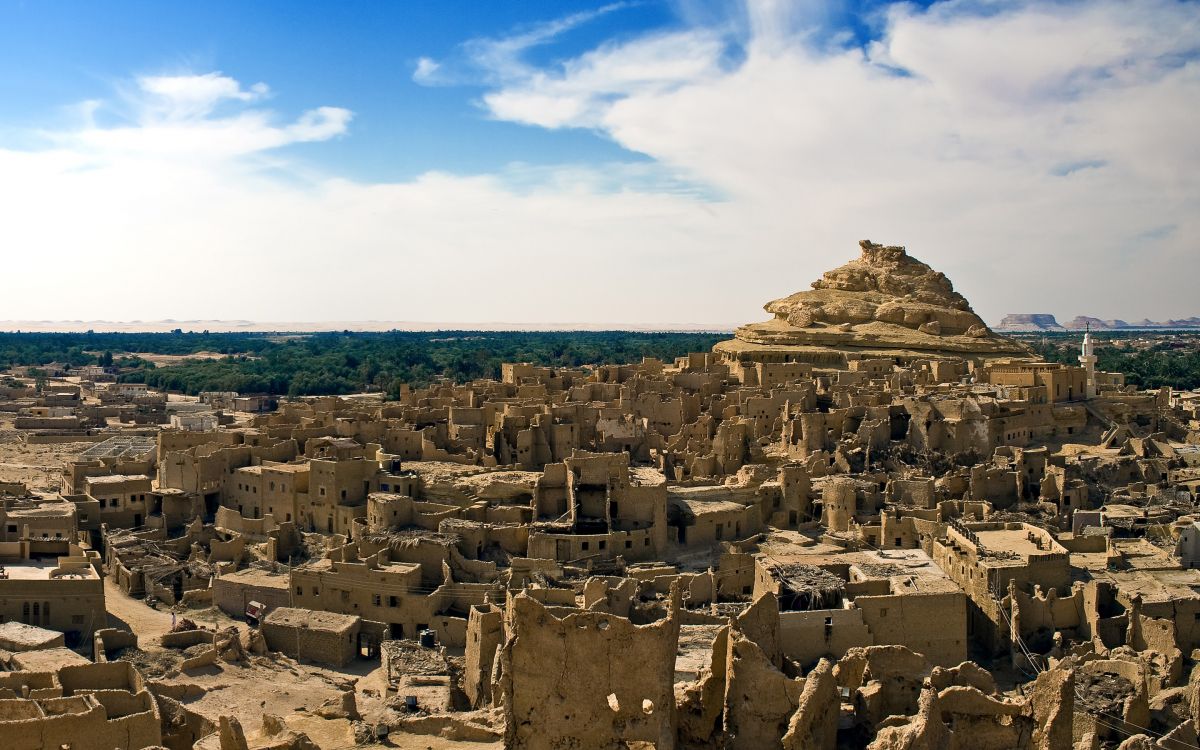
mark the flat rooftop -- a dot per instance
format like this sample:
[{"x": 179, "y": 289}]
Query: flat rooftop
[
  {"x": 258, "y": 577},
  {"x": 910, "y": 571},
  {"x": 310, "y": 619},
  {"x": 43, "y": 510},
  {"x": 700, "y": 494},
  {"x": 117, "y": 478},
  {"x": 272, "y": 466},
  {"x": 698, "y": 507},
  {"x": 1009, "y": 540},
  {"x": 40, "y": 570},
  {"x": 1157, "y": 586},
  {"x": 16, "y": 636},
  {"x": 646, "y": 476},
  {"x": 47, "y": 660}
]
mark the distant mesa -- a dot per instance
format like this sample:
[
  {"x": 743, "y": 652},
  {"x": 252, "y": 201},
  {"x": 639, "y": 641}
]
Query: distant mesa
[
  {"x": 1028, "y": 323},
  {"x": 885, "y": 303},
  {"x": 1039, "y": 322}
]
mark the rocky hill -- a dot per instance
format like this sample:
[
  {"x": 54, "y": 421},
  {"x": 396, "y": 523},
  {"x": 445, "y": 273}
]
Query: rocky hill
[{"x": 885, "y": 303}]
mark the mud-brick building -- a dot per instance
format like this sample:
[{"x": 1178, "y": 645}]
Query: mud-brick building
[
  {"x": 831, "y": 603},
  {"x": 601, "y": 507},
  {"x": 308, "y": 635},
  {"x": 984, "y": 558},
  {"x": 122, "y": 498},
  {"x": 42, "y": 526},
  {"x": 64, "y": 593}
]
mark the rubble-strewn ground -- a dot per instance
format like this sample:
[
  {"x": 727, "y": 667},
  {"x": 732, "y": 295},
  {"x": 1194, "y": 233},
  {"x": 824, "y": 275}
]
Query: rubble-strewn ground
[
  {"x": 267, "y": 684},
  {"x": 38, "y": 466}
]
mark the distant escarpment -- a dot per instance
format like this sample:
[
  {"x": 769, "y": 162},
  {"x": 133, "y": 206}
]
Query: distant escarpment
[{"x": 1037, "y": 322}]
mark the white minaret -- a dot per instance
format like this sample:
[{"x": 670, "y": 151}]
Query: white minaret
[{"x": 1087, "y": 358}]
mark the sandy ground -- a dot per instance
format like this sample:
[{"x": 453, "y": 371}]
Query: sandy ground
[
  {"x": 38, "y": 466},
  {"x": 166, "y": 360}
]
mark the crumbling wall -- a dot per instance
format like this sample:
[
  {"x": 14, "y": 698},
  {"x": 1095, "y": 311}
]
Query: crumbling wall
[
  {"x": 587, "y": 680},
  {"x": 485, "y": 629},
  {"x": 759, "y": 699},
  {"x": 106, "y": 641}
]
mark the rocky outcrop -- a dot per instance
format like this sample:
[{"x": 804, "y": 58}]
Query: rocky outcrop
[{"x": 885, "y": 302}]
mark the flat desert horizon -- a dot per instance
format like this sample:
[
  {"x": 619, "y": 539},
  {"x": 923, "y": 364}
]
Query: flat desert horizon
[{"x": 358, "y": 326}]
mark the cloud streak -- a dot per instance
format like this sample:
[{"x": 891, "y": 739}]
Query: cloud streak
[{"x": 497, "y": 60}]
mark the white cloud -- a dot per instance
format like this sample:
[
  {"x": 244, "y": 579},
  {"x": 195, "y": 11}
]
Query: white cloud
[
  {"x": 184, "y": 97},
  {"x": 175, "y": 118},
  {"x": 959, "y": 132},
  {"x": 1042, "y": 155},
  {"x": 580, "y": 93},
  {"x": 177, "y": 215},
  {"x": 426, "y": 71}
]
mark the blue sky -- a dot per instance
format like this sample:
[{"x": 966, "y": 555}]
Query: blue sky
[
  {"x": 360, "y": 56},
  {"x": 629, "y": 163}
]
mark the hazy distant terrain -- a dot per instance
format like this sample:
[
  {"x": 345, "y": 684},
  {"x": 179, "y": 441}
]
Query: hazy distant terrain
[
  {"x": 378, "y": 326},
  {"x": 1035, "y": 322}
]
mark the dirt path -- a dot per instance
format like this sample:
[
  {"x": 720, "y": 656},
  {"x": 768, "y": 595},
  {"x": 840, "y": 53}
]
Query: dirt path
[{"x": 133, "y": 614}]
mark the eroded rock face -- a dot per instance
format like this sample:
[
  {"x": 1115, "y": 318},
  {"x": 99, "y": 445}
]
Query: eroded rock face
[
  {"x": 884, "y": 299},
  {"x": 886, "y": 284}
]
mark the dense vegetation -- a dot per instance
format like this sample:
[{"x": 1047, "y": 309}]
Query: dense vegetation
[
  {"x": 341, "y": 362},
  {"x": 76, "y": 349},
  {"x": 1149, "y": 360},
  {"x": 345, "y": 362}
]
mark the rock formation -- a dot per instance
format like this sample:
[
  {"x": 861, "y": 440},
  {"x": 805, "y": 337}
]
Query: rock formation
[{"x": 883, "y": 304}]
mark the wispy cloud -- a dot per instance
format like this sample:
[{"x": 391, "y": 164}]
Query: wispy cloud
[
  {"x": 426, "y": 71},
  {"x": 500, "y": 59},
  {"x": 186, "y": 97},
  {"x": 194, "y": 116}
]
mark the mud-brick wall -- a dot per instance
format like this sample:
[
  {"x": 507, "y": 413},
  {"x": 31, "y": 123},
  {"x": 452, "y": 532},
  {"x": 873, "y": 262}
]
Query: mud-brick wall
[
  {"x": 807, "y": 636},
  {"x": 305, "y": 644},
  {"x": 931, "y": 624},
  {"x": 587, "y": 680},
  {"x": 44, "y": 728},
  {"x": 232, "y": 595}
]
